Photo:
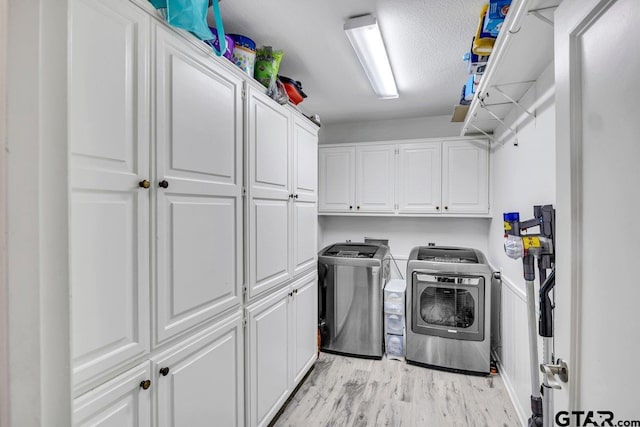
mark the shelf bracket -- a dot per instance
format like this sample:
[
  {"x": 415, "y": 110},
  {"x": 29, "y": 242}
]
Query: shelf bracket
[
  {"x": 482, "y": 105},
  {"x": 481, "y": 131},
  {"x": 513, "y": 101},
  {"x": 537, "y": 14}
]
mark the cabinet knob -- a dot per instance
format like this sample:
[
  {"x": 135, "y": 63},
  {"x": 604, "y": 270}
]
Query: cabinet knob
[
  {"x": 295, "y": 291},
  {"x": 446, "y": 208},
  {"x": 437, "y": 208},
  {"x": 164, "y": 371},
  {"x": 296, "y": 196},
  {"x": 291, "y": 293},
  {"x": 358, "y": 207},
  {"x": 291, "y": 196},
  {"x": 144, "y": 184},
  {"x": 164, "y": 184},
  {"x": 350, "y": 207},
  {"x": 145, "y": 384}
]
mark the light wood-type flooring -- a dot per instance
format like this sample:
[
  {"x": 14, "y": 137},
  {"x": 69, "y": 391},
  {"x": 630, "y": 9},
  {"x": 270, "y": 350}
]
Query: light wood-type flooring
[{"x": 345, "y": 391}]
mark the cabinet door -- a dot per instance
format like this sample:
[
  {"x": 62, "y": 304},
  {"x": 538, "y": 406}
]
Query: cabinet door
[
  {"x": 304, "y": 327},
  {"x": 375, "y": 174},
  {"x": 109, "y": 212},
  {"x": 305, "y": 160},
  {"x": 121, "y": 402},
  {"x": 199, "y": 211},
  {"x": 419, "y": 185},
  {"x": 268, "y": 344},
  {"x": 465, "y": 176},
  {"x": 336, "y": 179},
  {"x": 201, "y": 381},
  {"x": 268, "y": 213},
  {"x": 305, "y": 184}
]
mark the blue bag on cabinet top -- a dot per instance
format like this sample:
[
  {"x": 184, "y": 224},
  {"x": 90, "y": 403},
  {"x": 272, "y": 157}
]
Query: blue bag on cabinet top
[
  {"x": 159, "y": 4},
  {"x": 190, "y": 15}
]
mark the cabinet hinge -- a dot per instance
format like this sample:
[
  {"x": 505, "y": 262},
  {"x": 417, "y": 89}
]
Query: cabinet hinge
[
  {"x": 244, "y": 322},
  {"x": 244, "y": 94},
  {"x": 244, "y": 191},
  {"x": 244, "y": 290}
]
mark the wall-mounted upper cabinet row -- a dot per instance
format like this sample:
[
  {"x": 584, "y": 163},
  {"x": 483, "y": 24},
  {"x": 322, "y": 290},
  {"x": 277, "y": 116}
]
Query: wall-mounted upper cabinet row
[{"x": 420, "y": 178}]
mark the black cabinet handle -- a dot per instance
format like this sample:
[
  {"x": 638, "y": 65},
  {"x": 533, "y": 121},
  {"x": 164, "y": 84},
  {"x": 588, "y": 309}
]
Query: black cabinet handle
[
  {"x": 350, "y": 207},
  {"x": 296, "y": 196},
  {"x": 437, "y": 208},
  {"x": 144, "y": 184},
  {"x": 164, "y": 184},
  {"x": 145, "y": 384},
  {"x": 446, "y": 208},
  {"x": 358, "y": 207},
  {"x": 164, "y": 371}
]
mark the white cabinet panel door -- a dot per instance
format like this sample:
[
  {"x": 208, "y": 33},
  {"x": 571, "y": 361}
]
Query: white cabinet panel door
[
  {"x": 305, "y": 240},
  {"x": 269, "y": 243},
  {"x": 305, "y": 161},
  {"x": 121, "y": 402},
  {"x": 465, "y": 176},
  {"x": 419, "y": 184},
  {"x": 269, "y": 150},
  {"x": 336, "y": 179},
  {"x": 268, "y": 348},
  {"x": 304, "y": 326},
  {"x": 199, "y": 209},
  {"x": 375, "y": 174},
  {"x": 109, "y": 212},
  {"x": 201, "y": 381}
]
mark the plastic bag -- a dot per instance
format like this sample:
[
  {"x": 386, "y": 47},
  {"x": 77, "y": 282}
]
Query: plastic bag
[
  {"x": 267, "y": 66},
  {"x": 159, "y": 4},
  {"x": 190, "y": 15}
]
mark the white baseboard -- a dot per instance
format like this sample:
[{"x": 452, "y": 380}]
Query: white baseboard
[{"x": 522, "y": 413}]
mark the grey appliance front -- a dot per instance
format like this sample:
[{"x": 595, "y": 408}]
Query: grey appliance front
[{"x": 350, "y": 299}]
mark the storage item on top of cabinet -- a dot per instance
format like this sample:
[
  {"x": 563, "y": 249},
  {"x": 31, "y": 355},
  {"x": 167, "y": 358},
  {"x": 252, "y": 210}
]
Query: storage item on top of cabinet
[
  {"x": 430, "y": 177},
  {"x": 281, "y": 347},
  {"x": 357, "y": 178},
  {"x": 282, "y": 187},
  {"x": 186, "y": 189}
]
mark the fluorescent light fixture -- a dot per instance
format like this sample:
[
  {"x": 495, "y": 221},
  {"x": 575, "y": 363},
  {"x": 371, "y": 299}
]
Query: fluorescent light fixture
[{"x": 365, "y": 37}]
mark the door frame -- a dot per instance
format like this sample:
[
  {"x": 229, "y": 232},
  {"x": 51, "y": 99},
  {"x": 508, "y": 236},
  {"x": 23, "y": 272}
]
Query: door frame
[
  {"x": 4, "y": 306},
  {"x": 576, "y": 16}
]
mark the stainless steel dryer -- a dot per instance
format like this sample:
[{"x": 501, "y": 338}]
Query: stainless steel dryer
[
  {"x": 351, "y": 279},
  {"x": 448, "y": 307}
]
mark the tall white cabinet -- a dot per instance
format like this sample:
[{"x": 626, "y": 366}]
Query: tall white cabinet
[{"x": 157, "y": 223}]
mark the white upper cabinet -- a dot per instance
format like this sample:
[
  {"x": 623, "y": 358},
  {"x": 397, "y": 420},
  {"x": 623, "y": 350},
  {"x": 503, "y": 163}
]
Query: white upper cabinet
[
  {"x": 465, "y": 177},
  {"x": 420, "y": 177},
  {"x": 305, "y": 185},
  {"x": 201, "y": 381},
  {"x": 198, "y": 184},
  {"x": 337, "y": 179},
  {"x": 419, "y": 169},
  {"x": 282, "y": 194},
  {"x": 109, "y": 212},
  {"x": 375, "y": 171},
  {"x": 268, "y": 214},
  {"x": 123, "y": 401}
]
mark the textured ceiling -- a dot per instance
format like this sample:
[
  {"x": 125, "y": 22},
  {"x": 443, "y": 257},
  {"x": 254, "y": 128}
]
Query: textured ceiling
[{"x": 425, "y": 40}]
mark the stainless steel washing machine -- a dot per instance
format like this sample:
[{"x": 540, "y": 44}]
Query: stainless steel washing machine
[
  {"x": 351, "y": 277},
  {"x": 448, "y": 306}
]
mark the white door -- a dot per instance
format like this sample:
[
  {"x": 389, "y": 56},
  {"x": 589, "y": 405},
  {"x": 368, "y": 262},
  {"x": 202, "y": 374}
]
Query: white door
[
  {"x": 109, "y": 212},
  {"x": 304, "y": 327},
  {"x": 268, "y": 212},
  {"x": 375, "y": 175},
  {"x": 336, "y": 179},
  {"x": 124, "y": 401},
  {"x": 597, "y": 296},
  {"x": 198, "y": 187},
  {"x": 305, "y": 184},
  {"x": 268, "y": 349},
  {"x": 201, "y": 381},
  {"x": 419, "y": 182},
  {"x": 465, "y": 176}
]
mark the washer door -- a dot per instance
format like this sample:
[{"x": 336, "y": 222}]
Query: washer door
[{"x": 450, "y": 306}]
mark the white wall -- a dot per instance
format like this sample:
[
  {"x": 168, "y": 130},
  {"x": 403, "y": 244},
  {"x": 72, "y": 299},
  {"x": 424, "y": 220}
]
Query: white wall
[
  {"x": 405, "y": 233},
  {"x": 4, "y": 352},
  {"x": 384, "y": 130},
  {"x": 521, "y": 176}
]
